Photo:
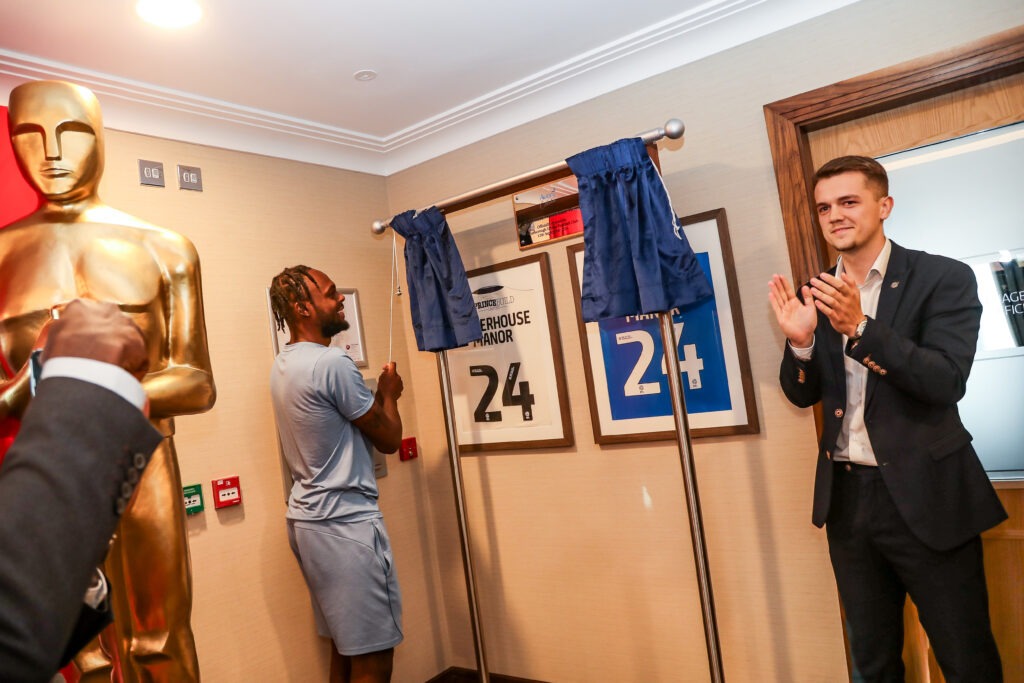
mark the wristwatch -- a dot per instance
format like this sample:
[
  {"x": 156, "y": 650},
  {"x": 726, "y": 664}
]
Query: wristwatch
[{"x": 859, "y": 332}]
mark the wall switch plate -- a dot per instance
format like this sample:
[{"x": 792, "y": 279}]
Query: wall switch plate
[
  {"x": 151, "y": 173},
  {"x": 190, "y": 178}
]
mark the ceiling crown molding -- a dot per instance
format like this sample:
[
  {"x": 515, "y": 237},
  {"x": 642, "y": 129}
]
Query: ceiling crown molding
[{"x": 144, "y": 108}]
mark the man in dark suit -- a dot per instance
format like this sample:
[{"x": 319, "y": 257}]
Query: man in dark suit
[
  {"x": 83, "y": 444},
  {"x": 885, "y": 341}
]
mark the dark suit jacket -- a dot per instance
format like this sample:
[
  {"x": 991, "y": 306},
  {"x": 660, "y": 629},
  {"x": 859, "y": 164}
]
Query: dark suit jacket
[
  {"x": 76, "y": 456},
  {"x": 919, "y": 348}
]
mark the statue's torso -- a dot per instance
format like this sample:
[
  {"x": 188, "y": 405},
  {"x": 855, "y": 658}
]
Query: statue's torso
[{"x": 46, "y": 265}]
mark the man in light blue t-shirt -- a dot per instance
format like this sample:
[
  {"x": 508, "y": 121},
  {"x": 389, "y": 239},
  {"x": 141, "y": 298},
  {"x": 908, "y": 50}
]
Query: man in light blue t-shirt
[{"x": 327, "y": 419}]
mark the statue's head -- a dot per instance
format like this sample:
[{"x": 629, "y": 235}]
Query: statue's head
[{"x": 57, "y": 135}]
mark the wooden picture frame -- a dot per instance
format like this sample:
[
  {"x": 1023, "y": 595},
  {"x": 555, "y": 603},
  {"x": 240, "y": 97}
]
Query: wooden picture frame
[
  {"x": 547, "y": 209},
  {"x": 547, "y": 213},
  {"x": 509, "y": 390},
  {"x": 626, "y": 353}
]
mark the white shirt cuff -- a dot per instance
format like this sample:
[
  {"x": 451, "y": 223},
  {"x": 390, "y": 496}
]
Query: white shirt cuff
[
  {"x": 801, "y": 352},
  {"x": 106, "y": 375},
  {"x": 96, "y": 593}
]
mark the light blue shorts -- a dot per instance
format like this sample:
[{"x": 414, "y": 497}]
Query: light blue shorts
[{"x": 350, "y": 572}]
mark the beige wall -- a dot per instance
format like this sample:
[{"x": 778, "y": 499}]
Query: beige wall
[{"x": 580, "y": 581}]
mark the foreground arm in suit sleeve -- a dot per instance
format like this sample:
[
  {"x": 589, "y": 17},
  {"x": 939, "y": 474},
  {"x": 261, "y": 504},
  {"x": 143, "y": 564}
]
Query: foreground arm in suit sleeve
[{"x": 76, "y": 456}]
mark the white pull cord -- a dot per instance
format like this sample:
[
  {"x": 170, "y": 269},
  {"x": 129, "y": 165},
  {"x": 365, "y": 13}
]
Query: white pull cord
[{"x": 391, "y": 312}]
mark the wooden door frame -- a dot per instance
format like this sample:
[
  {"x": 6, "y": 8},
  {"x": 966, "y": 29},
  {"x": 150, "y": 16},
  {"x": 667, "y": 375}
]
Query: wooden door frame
[{"x": 790, "y": 120}]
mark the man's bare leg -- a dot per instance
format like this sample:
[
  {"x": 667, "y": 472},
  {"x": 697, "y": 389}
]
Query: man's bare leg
[{"x": 373, "y": 667}]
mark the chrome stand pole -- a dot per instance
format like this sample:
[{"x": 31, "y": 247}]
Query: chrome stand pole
[
  {"x": 460, "y": 509},
  {"x": 700, "y": 556}
]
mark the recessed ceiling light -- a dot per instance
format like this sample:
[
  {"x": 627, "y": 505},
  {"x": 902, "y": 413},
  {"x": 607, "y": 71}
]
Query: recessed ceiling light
[
  {"x": 169, "y": 13},
  {"x": 365, "y": 75}
]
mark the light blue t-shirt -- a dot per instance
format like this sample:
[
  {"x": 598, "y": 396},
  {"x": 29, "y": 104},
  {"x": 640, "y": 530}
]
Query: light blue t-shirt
[{"x": 317, "y": 391}]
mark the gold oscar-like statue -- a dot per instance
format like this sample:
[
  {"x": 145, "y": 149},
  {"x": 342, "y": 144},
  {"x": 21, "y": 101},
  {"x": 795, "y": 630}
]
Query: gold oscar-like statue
[{"x": 76, "y": 246}]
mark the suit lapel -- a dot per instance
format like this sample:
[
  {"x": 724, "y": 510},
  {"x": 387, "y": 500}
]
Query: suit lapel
[{"x": 893, "y": 285}]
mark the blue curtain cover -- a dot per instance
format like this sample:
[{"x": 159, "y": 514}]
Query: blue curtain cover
[
  {"x": 636, "y": 258},
  {"x": 443, "y": 314}
]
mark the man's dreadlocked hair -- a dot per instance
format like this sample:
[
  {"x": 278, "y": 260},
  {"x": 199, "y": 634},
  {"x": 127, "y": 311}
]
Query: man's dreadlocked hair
[{"x": 287, "y": 287}]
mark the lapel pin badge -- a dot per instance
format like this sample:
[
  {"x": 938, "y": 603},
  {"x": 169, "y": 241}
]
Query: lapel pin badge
[{"x": 895, "y": 284}]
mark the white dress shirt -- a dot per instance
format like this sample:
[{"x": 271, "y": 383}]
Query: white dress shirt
[{"x": 853, "y": 444}]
